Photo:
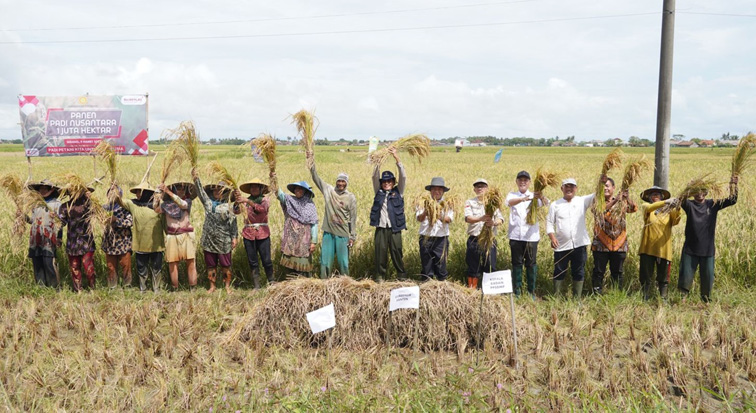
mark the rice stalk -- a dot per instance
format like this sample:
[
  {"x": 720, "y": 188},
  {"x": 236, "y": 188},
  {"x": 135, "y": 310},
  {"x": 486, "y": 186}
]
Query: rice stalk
[
  {"x": 14, "y": 187},
  {"x": 265, "y": 145},
  {"x": 104, "y": 150},
  {"x": 705, "y": 183},
  {"x": 188, "y": 140},
  {"x": 633, "y": 172},
  {"x": 429, "y": 205},
  {"x": 612, "y": 161},
  {"x": 492, "y": 201},
  {"x": 543, "y": 179},
  {"x": 174, "y": 157},
  {"x": 741, "y": 159},
  {"x": 218, "y": 172},
  {"x": 305, "y": 122},
  {"x": 75, "y": 188},
  {"x": 452, "y": 203},
  {"x": 416, "y": 145}
]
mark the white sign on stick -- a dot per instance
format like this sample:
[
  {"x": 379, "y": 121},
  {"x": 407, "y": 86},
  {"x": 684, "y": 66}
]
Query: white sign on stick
[
  {"x": 322, "y": 319},
  {"x": 499, "y": 282},
  {"x": 406, "y": 297}
]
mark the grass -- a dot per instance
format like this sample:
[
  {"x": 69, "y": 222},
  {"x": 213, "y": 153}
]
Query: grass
[{"x": 119, "y": 350}]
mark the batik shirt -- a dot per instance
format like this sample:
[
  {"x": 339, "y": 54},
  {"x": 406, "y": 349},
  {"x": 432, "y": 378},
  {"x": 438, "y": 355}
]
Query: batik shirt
[
  {"x": 79, "y": 237},
  {"x": 44, "y": 235},
  {"x": 116, "y": 239},
  {"x": 219, "y": 229}
]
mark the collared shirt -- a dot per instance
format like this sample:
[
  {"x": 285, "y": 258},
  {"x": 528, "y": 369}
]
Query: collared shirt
[
  {"x": 610, "y": 230},
  {"x": 475, "y": 209},
  {"x": 566, "y": 220},
  {"x": 384, "y": 222},
  {"x": 340, "y": 217},
  {"x": 519, "y": 229},
  {"x": 656, "y": 238},
  {"x": 439, "y": 228},
  {"x": 257, "y": 214}
]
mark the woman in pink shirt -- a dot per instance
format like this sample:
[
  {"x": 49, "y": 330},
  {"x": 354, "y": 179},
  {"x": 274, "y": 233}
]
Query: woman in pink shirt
[{"x": 256, "y": 232}]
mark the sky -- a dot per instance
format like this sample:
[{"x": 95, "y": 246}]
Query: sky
[{"x": 536, "y": 68}]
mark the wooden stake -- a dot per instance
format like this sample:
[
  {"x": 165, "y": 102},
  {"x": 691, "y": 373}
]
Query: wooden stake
[
  {"x": 514, "y": 330},
  {"x": 417, "y": 329},
  {"x": 480, "y": 318},
  {"x": 149, "y": 166}
]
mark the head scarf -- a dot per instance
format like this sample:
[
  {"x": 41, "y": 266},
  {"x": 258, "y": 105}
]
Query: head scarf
[{"x": 302, "y": 209}]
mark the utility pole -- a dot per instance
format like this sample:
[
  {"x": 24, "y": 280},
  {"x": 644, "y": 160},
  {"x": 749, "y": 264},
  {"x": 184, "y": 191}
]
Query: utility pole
[{"x": 664, "y": 102}]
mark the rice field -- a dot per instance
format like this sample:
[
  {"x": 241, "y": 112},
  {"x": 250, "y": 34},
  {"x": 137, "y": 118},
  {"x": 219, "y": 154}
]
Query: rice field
[{"x": 120, "y": 350}]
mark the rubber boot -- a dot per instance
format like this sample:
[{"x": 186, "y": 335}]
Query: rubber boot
[
  {"x": 517, "y": 280},
  {"x": 577, "y": 289},
  {"x": 532, "y": 274},
  {"x": 227, "y": 279},
  {"x": 663, "y": 288},
  {"x": 211, "y": 278},
  {"x": 646, "y": 291},
  {"x": 256, "y": 278},
  {"x": 475, "y": 282},
  {"x": 469, "y": 282},
  {"x": 558, "y": 286}
]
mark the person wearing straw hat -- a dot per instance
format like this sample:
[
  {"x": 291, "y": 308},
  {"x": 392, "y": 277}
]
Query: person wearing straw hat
[
  {"x": 656, "y": 239},
  {"x": 387, "y": 216},
  {"x": 434, "y": 237},
  {"x": 148, "y": 241},
  {"x": 565, "y": 226},
  {"x": 179, "y": 234},
  {"x": 80, "y": 245},
  {"x": 610, "y": 244},
  {"x": 477, "y": 260},
  {"x": 45, "y": 234},
  {"x": 523, "y": 237},
  {"x": 256, "y": 233},
  {"x": 116, "y": 239},
  {"x": 698, "y": 249},
  {"x": 219, "y": 232},
  {"x": 300, "y": 231},
  {"x": 339, "y": 222}
]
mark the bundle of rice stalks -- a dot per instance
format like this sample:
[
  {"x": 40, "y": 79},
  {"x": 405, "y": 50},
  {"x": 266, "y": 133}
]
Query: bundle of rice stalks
[
  {"x": 416, "y": 145},
  {"x": 174, "y": 157},
  {"x": 265, "y": 145},
  {"x": 452, "y": 203},
  {"x": 447, "y": 319},
  {"x": 741, "y": 159},
  {"x": 104, "y": 151},
  {"x": 73, "y": 189},
  {"x": 187, "y": 139},
  {"x": 218, "y": 172},
  {"x": 305, "y": 123},
  {"x": 543, "y": 179},
  {"x": 492, "y": 201},
  {"x": 706, "y": 183},
  {"x": 633, "y": 172},
  {"x": 14, "y": 187},
  {"x": 612, "y": 161}
]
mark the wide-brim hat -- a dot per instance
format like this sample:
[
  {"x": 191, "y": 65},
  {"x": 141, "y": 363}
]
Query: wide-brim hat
[
  {"x": 437, "y": 181},
  {"x": 222, "y": 185},
  {"x": 247, "y": 186},
  {"x": 143, "y": 187},
  {"x": 45, "y": 182},
  {"x": 302, "y": 184},
  {"x": 188, "y": 187},
  {"x": 645, "y": 195}
]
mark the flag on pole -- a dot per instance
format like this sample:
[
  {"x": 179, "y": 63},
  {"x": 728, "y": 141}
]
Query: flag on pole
[
  {"x": 322, "y": 319},
  {"x": 497, "y": 157}
]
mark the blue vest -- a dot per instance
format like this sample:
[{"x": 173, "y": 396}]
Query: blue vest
[{"x": 395, "y": 206}]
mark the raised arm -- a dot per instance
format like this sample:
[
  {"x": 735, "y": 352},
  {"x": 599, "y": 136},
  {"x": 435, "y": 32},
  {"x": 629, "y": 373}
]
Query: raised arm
[
  {"x": 314, "y": 173},
  {"x": 376, "y": 178}
]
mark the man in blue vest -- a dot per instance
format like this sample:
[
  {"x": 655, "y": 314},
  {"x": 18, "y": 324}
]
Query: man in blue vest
[{"x": 387, "y": 216}]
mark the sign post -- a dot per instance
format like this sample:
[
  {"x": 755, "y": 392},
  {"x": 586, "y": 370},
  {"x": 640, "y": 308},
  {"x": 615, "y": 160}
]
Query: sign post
[
  {"x": 499, "y": 282},
  {"x": 406, "y": 297}
]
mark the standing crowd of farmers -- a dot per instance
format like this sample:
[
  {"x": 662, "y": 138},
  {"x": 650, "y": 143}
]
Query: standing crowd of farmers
[{"x": 155, "y": 226}]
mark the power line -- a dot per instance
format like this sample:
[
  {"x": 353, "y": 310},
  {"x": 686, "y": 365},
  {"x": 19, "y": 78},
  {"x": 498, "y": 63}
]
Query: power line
[
  {"x": 398, "y": 29},
  {"x": 716, "y": 14},
  {"x": 273, "y": 19}
]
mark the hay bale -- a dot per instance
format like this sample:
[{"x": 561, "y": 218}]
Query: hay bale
[{"x": 448, "y": 316}]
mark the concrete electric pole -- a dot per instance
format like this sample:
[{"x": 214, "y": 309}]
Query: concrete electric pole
[{"x": 664, "y": 102}]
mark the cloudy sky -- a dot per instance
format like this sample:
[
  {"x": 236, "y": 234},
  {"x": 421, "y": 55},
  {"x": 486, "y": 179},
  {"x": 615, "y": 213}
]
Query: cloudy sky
[{"x": 539, "y": 68}]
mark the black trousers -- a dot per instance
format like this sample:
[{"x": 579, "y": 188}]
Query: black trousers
[
  {"x": 433, "y": 254},
  {"x": 615, "y": 259},
  {"x": 44, "y": 271},
  {"x": 478, "y": 261},
  {"x": 574, "y": 259},
  {"x": 261, "y": 248},
  {"x": 149, "y": 264},
  {"x": 387, "y": 242},
  {"x": 523, "y": 252}
]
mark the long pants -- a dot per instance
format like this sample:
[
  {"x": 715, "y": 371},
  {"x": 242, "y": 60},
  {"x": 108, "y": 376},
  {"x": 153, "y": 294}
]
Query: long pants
[
  {"x": 649, "y": 264},
  {"x": 334, "y": 246},
  {"x": 82, "y": 263},
  {"x": 478, "y": 261},
  {"x": 261, "y": 248},
  {"x": 124, "y": 261},
  {"x": 44, "y": 271},
  {"x": 574, "y": 259},
  {"x": 433, "y": 254},
  {"x": 388, "y": 242},
  {"x": 149, "y": 263},
  {"x": 688, "y": 265},
  {"x": 615, "y": 259},
  {"x": 524, "y": 252}
]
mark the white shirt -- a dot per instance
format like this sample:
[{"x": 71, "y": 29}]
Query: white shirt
[
  {"x": 476, "y": 209},
  {"x": 519, "y": 229},
  {"x": 566, "y": 220},
  {"x": 439, "y": 229}
]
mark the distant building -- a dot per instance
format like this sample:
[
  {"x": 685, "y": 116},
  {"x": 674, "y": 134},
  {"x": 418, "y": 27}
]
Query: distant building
[
  {"x": 708, "y": 143},
  {"x": 686, "y": 144}
]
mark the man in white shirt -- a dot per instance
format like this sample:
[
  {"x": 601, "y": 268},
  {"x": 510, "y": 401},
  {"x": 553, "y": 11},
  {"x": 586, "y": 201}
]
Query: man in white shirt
[
  {"x": 434, "y": 237},
  {"x": 565, "y": 225},
  {"x": 475, "y": 215},
  {"x": 523, "y": 237}
]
